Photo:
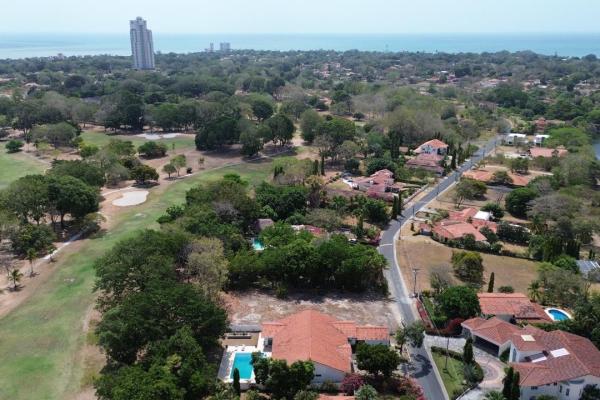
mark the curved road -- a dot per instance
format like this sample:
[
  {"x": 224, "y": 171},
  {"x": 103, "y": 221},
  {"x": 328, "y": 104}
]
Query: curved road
[{"x": 421, "y": 367}]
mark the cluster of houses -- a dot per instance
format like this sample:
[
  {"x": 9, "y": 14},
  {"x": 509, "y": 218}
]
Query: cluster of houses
[
  {"x": 459, "y": 224},
  {"x": 554, "y": 363}
]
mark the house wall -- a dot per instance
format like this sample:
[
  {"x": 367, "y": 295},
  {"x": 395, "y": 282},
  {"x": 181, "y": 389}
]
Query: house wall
[
  {"x": 428, "y": 149},
  {"x": 324, "y": 373},
  {"x": 570, "y": 390}
]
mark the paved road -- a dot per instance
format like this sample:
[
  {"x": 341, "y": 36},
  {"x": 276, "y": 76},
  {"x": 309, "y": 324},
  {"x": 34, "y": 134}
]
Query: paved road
[{"x": 421, "y": 368}]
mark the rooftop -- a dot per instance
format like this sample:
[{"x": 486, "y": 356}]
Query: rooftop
[
  {"x": 564, "y": 356},
  {"x": 311, "y": 335},
  {"x": 514, "y": 304}
]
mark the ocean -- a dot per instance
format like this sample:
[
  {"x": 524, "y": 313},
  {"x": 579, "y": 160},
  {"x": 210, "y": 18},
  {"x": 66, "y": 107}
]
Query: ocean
[{"x": 43, "y": 45}]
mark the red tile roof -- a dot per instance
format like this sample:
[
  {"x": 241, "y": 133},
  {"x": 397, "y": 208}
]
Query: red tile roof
[
  {"x": 311, "y": 335},
  {"x": 568, "y": 357},
  {"x": 494, "y": 330},
  {"x": 454, "y": 230},
  {"x": 559, "y": 356},
  {"x": 435, "y": 143},
  {"x": 462, "y": 215},
  {"x": 514, "y": 304},
  {"x": 427, "y": 161}
]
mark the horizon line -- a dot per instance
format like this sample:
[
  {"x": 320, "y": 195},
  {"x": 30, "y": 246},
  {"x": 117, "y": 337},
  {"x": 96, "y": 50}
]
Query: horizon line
[{"x": 125, "y": 32}]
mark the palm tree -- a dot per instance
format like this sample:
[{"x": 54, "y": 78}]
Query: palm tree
[
  {"x": 535, "y": 291},
  {"x": 31, "y": 255},
  {"x": 15, "y": 277},
  {"x": 494, "y": 395}
]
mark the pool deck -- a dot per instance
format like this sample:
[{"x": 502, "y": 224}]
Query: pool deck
[{"x": 228, "y": 358}]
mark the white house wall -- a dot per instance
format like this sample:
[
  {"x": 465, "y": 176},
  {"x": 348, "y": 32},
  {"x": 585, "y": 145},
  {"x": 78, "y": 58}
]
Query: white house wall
[
  {"x": 560, "y": 389},
  {"x": 324, "y": 373}
]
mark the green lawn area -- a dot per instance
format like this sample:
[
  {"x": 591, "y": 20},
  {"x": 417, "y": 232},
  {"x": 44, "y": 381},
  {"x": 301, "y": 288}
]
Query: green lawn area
[
  {"x": 101, "y": 139},
  {"x": 39, "y": 341},
  {"x": 452, "y": 376},
  {"x": 16, "y": 165}
]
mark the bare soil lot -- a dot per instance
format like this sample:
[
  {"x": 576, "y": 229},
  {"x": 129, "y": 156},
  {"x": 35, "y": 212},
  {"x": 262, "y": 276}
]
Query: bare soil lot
[
  {"x": 254, "y": 307},
  {"x": 428, "y": 255}
]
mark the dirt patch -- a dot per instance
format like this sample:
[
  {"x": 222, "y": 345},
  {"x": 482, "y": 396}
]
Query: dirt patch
[
  {"x": 430, "y": 256},
  {"x": 254, "y": 307}
]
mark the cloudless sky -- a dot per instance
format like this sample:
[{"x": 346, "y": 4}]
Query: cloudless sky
[{"x": 302, "y": 16}]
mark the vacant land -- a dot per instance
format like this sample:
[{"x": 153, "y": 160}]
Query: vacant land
[
  {"x": 13, "y": 166},
  {"x": 428, "y": 255},
  {"x": 254, "y": 307},
  {"x": 42, "y": 339}
]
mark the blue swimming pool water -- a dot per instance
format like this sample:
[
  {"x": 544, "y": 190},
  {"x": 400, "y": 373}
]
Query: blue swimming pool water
[
  {"x": 257, "y": 245},
  {"x": 558, "y": 315},
  {"x": 243, "y": 362}
]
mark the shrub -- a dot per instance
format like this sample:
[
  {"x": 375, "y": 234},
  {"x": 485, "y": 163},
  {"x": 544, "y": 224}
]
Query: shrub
[
  {"x": 351, "y": 383},
  {"x": 14, "y": 146},
  {"x": 152, "y": 149}
]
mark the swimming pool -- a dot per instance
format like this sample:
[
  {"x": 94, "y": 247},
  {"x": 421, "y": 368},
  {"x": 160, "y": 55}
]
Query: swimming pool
[
  {"x": 257, "y": 245},
  {"x": 558, "y": 315},
  {"x": 243, "y": 362}
]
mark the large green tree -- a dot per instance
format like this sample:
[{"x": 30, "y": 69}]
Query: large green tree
[
  {"x": 377, "y": 359},
  {"x": 459, "y": 302}
]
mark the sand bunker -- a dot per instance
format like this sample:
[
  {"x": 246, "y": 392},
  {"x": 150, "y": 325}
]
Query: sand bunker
[
  {"x": 131, "y": 198},
  {"x": 158, "y": 136}
]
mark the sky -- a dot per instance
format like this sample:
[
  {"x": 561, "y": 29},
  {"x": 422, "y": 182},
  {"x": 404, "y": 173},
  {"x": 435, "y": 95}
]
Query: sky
[{"x": 303, "y": 16}]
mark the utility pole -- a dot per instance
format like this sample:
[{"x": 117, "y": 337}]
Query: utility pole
[
  {"x": 415, "y": 272},
  {"x": 447, "y": 351}
]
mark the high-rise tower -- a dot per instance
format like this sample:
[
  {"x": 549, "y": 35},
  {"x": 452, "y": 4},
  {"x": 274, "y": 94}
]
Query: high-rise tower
[{"x": 142, "y": 47}]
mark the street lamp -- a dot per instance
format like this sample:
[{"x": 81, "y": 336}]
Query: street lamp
[{"x": 415, "y": 272}]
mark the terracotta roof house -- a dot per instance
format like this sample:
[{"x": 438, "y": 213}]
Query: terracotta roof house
[
  {"x": 512, "y": 307},
  {"x": 448, "y": 230},
  {"x": 461, "y": 223},
  {"x": 555, "y": 363},
  {"x": 379, "y": 185},
  {"x": 427, "y": 161},
  {"x": 320, "y": 338},
  {"x": 434, "y": 146},
  {"x": 546, "y": 152}
]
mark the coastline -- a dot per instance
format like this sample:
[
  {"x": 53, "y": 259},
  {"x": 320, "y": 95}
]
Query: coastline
[{"x": 24, "y": 45}]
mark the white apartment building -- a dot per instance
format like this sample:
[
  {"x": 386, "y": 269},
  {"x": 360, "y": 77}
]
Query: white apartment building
[{"x": 142, "y": 46}]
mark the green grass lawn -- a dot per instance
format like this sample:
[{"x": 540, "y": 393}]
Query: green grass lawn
[
  {"x": 452, "y": 376},
  {"x": 101, "y": 139},
  {"x": 39, "y": 340},
  {"x": 13, "y": 166}
]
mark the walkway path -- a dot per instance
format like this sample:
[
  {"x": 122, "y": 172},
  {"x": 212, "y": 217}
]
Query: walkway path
[{"x": 422, "y": 367}]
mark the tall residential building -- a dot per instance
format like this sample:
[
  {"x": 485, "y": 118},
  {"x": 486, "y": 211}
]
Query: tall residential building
[
  {"x": 225, "y": 47},
  {"x": 142, "y": 47}
]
